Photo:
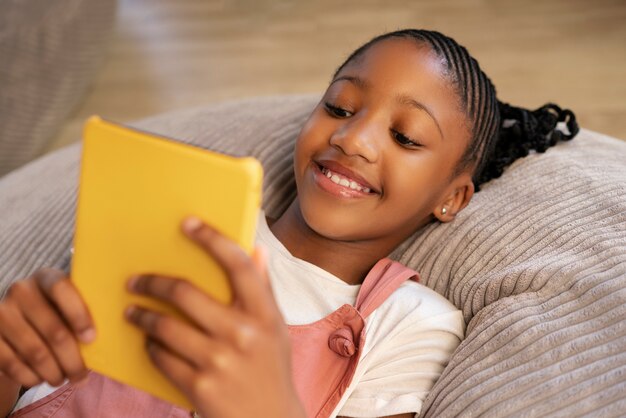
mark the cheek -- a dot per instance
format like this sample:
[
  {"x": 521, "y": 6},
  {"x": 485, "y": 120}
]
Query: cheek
[
  {"x": 301, "y": 157},
  {"x": 301, "y": 153},
  {"x": 311, "y": 139},
  {"x": 414, "y": 189}
]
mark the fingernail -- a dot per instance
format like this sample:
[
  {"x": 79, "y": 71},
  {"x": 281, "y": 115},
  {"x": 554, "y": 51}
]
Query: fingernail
[
  {"x": 150, "y": 345},
  {"x": 129, "y": 311},
  {"x": 81, "y": 379},
  {"x": 191, "y": 223},
  {"x": 87, "y": 336},
  {"x": 132, "y": 283}
]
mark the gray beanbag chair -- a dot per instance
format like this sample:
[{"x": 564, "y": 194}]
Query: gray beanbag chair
[
  {"x": 49, "y": 54},
  {"x": 537, "y": 262}
]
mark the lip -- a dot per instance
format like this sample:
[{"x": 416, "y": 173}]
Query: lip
[
  {"x": 346, "y": 172},
  {"x": 335, "y": 189}
]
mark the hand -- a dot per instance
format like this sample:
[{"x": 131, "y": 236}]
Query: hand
[
  {"x": 230, "y": 361},
  {"x": 41, "y": 320}
]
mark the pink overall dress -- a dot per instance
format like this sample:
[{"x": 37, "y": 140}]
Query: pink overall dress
[{"x": 325, "y": 356}]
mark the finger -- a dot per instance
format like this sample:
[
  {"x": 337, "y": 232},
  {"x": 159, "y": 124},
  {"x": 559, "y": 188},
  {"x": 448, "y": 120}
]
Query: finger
[
  {"x": 214, "y": 318},
  {"x": 29, "y": 347},
  {"x": 178, "y": 371},
  {"x": 61, "y": 291},
  {"x": 56, "y": 335},
  {"x": 179, "y": 337},
  {"x": 259, "y": 258},
  {"x": 208, "y": 314},
  {"x": 238, "y": 266},
  {"x": 13, "y": 367}
]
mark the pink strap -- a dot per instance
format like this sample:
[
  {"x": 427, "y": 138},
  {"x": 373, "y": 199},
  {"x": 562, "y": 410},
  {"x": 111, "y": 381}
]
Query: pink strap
[{"x": 384, "y": 278}]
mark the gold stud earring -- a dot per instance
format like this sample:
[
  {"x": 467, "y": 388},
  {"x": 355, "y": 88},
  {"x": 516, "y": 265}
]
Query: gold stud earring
[{"x": 444, "y": 211}]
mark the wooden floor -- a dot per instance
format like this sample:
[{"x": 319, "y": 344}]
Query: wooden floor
[{"x": 169, "y": 54}]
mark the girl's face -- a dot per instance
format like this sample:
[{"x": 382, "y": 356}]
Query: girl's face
[{"x": 376, "y": 158}]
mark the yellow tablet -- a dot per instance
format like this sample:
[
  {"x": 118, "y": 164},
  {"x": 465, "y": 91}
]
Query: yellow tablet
[{"x": 135, "y": 189}]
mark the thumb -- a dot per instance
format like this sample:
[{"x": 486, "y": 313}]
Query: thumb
[{"x": 259, "y": 259}]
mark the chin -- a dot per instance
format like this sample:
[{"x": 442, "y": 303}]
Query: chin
[{"x": 335, "y": 226}]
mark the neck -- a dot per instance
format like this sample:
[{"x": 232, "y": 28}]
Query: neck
[{"x": 348, "y": 260}]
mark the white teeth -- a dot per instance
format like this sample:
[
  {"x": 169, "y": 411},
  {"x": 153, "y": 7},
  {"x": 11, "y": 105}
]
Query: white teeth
[{"x": 342, "y": 181}]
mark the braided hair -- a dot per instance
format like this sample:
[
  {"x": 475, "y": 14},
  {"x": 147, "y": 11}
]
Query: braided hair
[{"x": 500, "y": 133}]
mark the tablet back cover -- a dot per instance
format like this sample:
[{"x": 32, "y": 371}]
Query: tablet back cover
[{"x": 135, "y": 189}]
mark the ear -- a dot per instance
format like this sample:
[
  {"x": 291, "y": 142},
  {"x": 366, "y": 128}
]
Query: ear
[{"x": 456, "y": 199}]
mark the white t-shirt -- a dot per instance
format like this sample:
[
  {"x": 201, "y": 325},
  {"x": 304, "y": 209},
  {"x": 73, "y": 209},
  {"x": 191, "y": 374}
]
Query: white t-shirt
[{"x": 410, "y": 337}]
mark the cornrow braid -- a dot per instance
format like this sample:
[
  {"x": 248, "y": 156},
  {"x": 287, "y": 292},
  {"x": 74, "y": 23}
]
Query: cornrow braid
[
  {"x": 500, "y": 133},
  {"x": 522, "y": 131}
]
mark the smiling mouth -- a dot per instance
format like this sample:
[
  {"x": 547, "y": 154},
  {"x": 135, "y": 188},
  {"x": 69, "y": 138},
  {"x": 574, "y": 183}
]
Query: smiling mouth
[{"x": 343, "y": 180}]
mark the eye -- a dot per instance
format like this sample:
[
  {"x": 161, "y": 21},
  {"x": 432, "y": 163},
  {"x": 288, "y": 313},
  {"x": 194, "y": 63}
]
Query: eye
[
  {"x": 404, "y": 140},
  {"x": 337, "y": 111}
]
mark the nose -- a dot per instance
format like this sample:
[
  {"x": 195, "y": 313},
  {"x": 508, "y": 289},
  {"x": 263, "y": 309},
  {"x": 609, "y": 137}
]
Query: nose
[{"x": 358, "y": 137}]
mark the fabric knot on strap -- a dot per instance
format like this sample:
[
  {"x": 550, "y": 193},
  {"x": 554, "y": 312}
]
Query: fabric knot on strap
[{"x": 342, "y": 342}]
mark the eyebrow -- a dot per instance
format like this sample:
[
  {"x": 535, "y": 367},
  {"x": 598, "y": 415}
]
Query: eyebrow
[
  {"x": 359, "y": 82},
  {"x": 402, "y": 99}
]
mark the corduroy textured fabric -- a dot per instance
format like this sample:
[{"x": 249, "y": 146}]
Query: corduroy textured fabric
[
  {"x": 49, "y": 53},
  {"x": 537, "y": 261}
]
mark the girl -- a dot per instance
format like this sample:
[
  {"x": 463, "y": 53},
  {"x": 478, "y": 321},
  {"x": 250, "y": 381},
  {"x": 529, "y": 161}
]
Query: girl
[{"x": 407, "y": 130}]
